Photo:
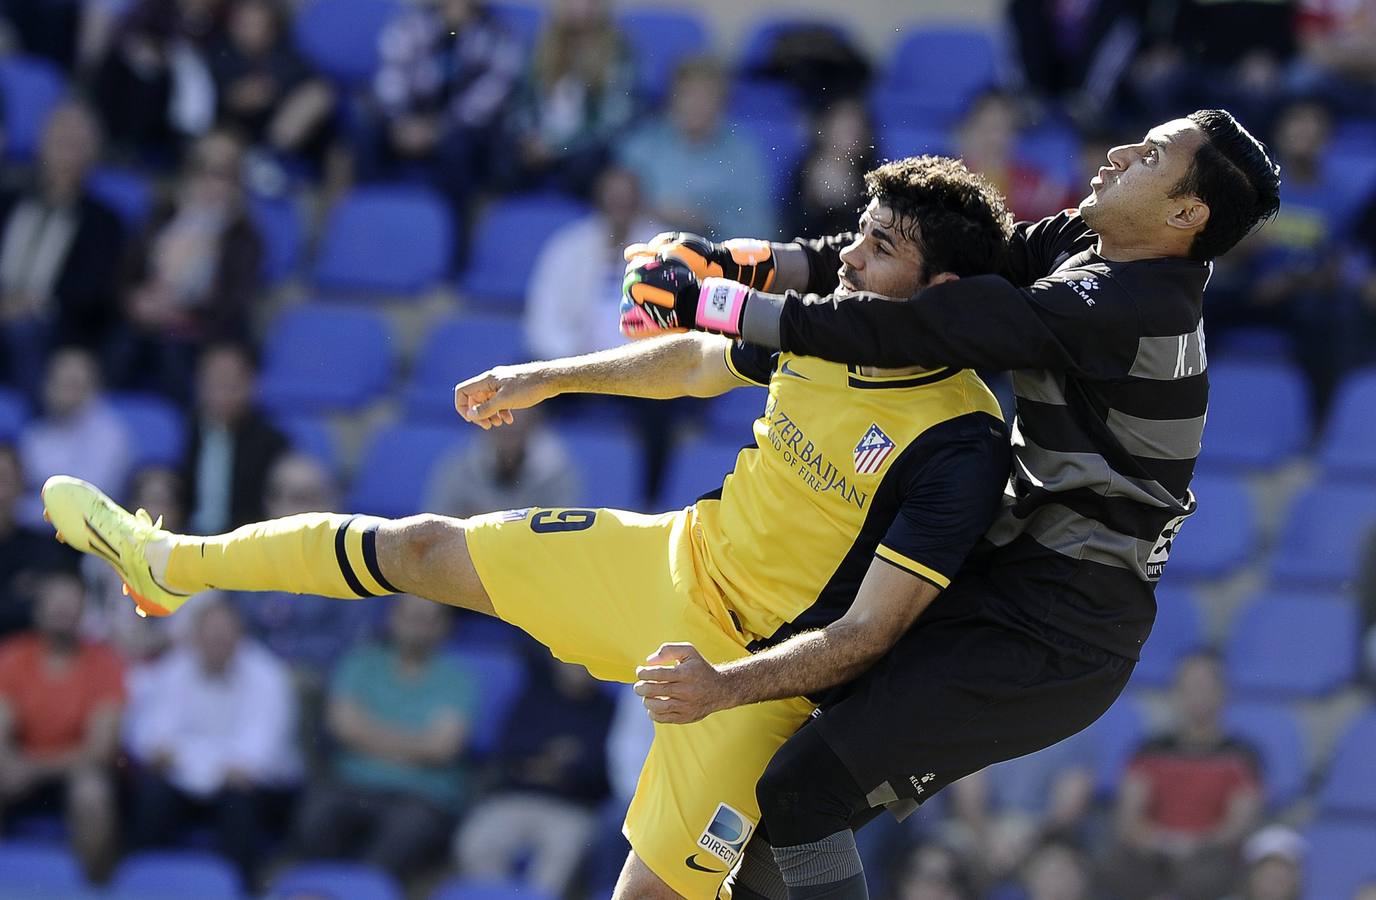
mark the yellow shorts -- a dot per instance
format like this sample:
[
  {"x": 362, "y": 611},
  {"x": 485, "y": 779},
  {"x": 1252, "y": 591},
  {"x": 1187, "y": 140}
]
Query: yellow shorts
[{"x": 604, "y": 588}]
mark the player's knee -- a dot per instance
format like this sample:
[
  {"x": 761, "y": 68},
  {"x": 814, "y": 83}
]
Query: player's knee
[
  {"x": 781, "y": 791},
  {"x": 419, "y": 541},
  {"x": 806, "y": 793},
  {"x": 428, "y": 555}
]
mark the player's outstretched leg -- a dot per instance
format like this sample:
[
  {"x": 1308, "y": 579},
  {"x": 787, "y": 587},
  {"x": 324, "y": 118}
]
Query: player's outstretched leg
[{"x": 328, "y": 554}]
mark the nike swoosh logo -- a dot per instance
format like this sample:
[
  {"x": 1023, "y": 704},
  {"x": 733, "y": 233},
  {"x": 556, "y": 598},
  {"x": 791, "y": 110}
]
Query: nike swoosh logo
[
  {"x": 692, "y": 863},
  {"x": 104, "y": 548},
  {"x": 785, "y": 370}
]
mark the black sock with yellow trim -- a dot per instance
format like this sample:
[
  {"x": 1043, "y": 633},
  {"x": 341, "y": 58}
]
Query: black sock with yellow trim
[{"x": 329, "y": 554}]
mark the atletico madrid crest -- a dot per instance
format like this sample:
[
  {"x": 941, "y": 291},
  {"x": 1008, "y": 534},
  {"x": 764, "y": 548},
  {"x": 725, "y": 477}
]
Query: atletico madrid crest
[{"x": 874, "y": 448}]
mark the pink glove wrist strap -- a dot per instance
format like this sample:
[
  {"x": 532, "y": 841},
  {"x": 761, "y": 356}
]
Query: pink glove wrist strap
[{"x": 720, "y": 303}]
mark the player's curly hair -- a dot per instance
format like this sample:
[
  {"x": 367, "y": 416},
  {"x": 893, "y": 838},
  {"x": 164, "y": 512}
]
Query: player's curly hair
[{"x": 957, "y": 219}]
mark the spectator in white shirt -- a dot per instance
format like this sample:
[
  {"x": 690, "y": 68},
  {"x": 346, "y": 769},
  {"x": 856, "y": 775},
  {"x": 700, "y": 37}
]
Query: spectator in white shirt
[
  {"x": 215, "y": 738},
  {"x": 574, "y": 292},
  {"x": 522, "y": 464},
  {"x": 78, "y": 434},
  {"x": 573, "y": 301}
]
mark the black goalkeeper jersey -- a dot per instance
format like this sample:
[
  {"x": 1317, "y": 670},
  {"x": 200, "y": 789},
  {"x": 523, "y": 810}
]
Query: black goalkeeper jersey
[{"x": 1108, "y": 367}]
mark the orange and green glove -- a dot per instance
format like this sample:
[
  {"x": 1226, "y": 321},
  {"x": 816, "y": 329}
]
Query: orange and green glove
[{"x": 662, "y": 295}]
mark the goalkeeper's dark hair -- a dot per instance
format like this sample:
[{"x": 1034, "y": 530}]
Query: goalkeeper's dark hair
[
  {"x": 1235, "y": 177},
  {"x": 957, "y": 219}
]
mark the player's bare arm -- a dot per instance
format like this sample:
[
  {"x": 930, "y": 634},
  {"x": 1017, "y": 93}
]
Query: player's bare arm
[
  {"x": 681, "y": 365},
  {"x": 680, "y": 686}
]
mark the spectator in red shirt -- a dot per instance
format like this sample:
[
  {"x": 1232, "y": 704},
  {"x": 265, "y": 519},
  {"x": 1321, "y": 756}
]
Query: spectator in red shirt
[
  {"x": 1188, "y": 798},
  {"x": 1338, "y": 53},
  {"x": 60, "y": 702}
]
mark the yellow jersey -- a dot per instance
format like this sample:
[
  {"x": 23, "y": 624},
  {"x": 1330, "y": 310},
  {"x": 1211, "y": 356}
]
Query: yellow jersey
[{"x": 846, "y": 467}]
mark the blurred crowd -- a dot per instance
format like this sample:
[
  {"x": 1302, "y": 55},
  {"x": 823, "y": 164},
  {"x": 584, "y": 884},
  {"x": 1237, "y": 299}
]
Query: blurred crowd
[{"x": 135, "y": 262}]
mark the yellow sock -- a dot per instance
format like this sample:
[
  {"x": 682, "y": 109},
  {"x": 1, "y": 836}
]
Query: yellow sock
[{"x": 329, "y": 554}]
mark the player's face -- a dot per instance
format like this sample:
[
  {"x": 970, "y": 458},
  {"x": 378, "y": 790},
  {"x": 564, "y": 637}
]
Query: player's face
[
  {"x": 1133, "y": 187},
  {"x": 881, "y": 260}
]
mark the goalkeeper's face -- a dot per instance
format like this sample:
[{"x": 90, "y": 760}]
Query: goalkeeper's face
[{"x": 882, "y": 259}]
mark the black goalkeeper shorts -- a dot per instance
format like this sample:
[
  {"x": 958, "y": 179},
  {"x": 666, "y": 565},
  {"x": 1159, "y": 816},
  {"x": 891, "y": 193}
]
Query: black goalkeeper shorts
[{"x": 960, "y": 691}]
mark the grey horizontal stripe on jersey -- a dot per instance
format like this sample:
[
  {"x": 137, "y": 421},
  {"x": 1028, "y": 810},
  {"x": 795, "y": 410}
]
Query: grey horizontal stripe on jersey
[
  {"x": 1170, "y": 357},
  {"x": 1039, "y": 386},
  {"x": 1064, "y": 531},
  {"x": 1157, "y": 438},
  {"x": 1055, "y": 470}
]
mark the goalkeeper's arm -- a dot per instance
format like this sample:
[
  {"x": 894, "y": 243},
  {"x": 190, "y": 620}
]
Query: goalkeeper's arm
[
  {"x": 762, "y": 265},
  {"x": 677, "y": 365}
]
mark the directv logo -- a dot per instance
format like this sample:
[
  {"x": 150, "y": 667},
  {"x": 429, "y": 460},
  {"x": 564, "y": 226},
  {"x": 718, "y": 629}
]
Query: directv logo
[{"x": 725, "y": 837}]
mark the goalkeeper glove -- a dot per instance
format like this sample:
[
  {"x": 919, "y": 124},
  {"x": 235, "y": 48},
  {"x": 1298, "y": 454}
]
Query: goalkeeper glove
[
  {"x": 662, "y": 296},
  {"x": 743, "y": 260}
]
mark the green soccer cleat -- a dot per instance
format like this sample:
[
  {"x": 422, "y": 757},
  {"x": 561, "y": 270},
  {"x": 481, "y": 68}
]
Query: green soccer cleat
[{"x": 91, "y": 522}]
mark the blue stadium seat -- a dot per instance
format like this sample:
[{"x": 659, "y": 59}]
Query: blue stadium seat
[
  {"x": 1342, "y": 857},
  {"x": 1350, "y": 788},
  {"x": 125, "y": 191},
  {"x": 177, "y": 874},
  {"x": 1221, "y": 536},
  {"x": 732, "y": 415},
  {"x": 512, "y": 228},
  {"x": 339, "y": 38},
  {"x": 660, "y": 39},
  {"x": 42, "y": 870},
  {"x": 461, "y": 888},
  {"x": 319, "y": 357},
  {"x": 395, "y": 470},
  {"x": 1178, "y": 631},
  {"x": 14, "y": 412},
  {"x": 1349, "y": 440},
  {"x": 1055, "y": 148},
  {"x": 476, "y": 632},
  {"x": 1353, "y": 152},
  {"x": 763, "y": 100},
  {"x": 1277, "y": 735},
  {"x": 311, "y": 436},
  {"x": 782, "y": 144},
  {"x": 520, "y": 19},
  {"x": 355, "y": 881},
  {"x": 31, "y": 88},
  {"x": 1258, "y": 415},
  {"x": 279, "y": 224},
  {"x": 1253, "y": 343},
  {"x": 502, "y": 675},
  {"x": 897, "y": 140},
  {"x": 952, "y": 63},
  {"x": 385, "y": 240},
  {"x": 459, "y": 347},
  {"x": 1325, "y": 534},
  {"x": 1287, "y": 646},
  {"x": 157, "y": 429},
  {"x": 611, "y": 467},
  {"x": 1114, "y": 739},
  {"x": 762, "y": 36},
  {"x": 698, "y": 467}
]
